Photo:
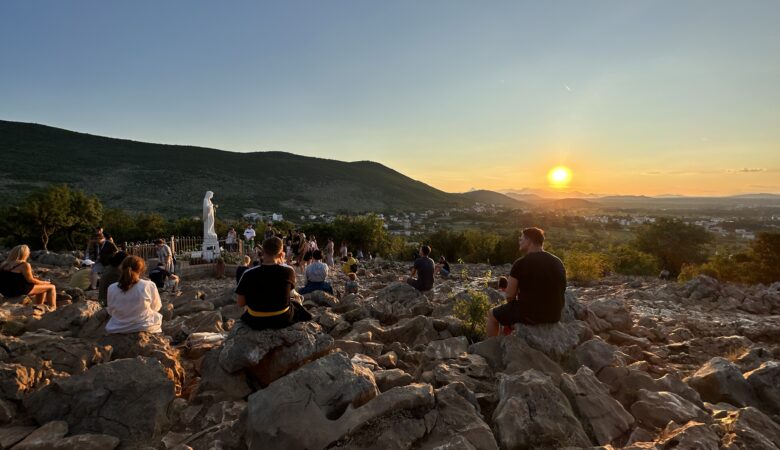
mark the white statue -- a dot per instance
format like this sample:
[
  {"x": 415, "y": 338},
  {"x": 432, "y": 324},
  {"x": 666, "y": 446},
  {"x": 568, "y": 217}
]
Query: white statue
[
  {"x": 210, "y": 239},
  {"x": 208, "y": 217}
]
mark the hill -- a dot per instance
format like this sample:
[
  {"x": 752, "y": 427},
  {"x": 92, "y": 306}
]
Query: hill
[
  {"x": 172, "y": 179},
  {"x": 495, "y": 198}
]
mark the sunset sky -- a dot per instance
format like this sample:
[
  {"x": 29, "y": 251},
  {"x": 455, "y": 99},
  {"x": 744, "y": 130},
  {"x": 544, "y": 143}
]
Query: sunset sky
[{"x": 635, "y": 97}]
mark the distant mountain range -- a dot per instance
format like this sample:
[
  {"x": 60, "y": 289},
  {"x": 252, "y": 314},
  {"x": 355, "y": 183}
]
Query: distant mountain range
[{"x": 172, "y": 180}]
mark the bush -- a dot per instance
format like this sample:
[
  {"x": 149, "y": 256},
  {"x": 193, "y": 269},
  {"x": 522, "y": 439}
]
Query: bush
[
  {"x": 585, "y": 266},
  {"x": 472, "y": 310},
  {"x": 673, "y": 243},
  {"x": 626, "y": 260},
  {"x": 691, "y": 271}
]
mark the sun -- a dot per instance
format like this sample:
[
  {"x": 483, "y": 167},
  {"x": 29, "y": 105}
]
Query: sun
[{"x": 559, "y": 176}]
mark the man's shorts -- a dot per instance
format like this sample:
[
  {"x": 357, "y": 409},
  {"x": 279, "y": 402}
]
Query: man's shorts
[{"x": 512, "y": 313}]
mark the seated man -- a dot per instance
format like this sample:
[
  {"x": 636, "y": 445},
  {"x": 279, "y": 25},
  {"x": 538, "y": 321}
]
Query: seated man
[
  {"x": 164, "y": 279},
  {"x": 535, "y": 291},
  {"x": 265, "y": 291},
  {"x": 423, "y": 268},
  {"x": 316, "y": 274},
  {"x": 443, "y": 268}
]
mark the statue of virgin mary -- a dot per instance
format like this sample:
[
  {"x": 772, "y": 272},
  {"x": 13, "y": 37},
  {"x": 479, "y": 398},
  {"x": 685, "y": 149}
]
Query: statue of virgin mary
[{"x": 208, "y": 218}]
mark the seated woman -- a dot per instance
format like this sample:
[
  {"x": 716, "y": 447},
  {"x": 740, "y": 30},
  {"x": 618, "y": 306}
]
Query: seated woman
[
  {"x": 265, "y": 291},
  {"x": 316, "y": 274},
  {"x": 16, "y": 279},
  {"x": 133, "y": 303},
  {"x": 443, "y": 268}
]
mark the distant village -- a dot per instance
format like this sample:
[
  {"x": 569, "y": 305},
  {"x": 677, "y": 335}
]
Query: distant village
[{"x": 409, "y": 224}]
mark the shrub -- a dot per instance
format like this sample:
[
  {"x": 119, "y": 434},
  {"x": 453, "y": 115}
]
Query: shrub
[
  {"x": 472, "y": 309},
  {"x": 585, "y": 266},
  {"x": 626, "y": 260}
]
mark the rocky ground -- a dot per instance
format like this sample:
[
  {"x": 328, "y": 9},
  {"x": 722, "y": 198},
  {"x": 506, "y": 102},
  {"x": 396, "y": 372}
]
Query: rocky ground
[{"x": 636, "y": 364}]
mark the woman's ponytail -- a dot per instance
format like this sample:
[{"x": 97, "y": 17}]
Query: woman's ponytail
[{"x": 130, "y": 272}]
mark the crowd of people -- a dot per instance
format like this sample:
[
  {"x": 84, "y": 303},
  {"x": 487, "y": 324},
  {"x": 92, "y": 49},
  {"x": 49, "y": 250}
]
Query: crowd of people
[{"x": 534, "y": 289}]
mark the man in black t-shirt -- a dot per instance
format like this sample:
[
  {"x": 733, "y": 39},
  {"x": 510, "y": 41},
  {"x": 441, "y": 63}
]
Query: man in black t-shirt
[
  {"x": 423, "y": 268},
  {"x": 265, "y": 291},
  {"x": 535, "y": 292}
]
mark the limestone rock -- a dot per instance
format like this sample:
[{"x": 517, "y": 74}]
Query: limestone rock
[
  {"x": 691, "y": 436},
  {"x": 656, "y": 409},
  {"x": 414, "y": 331},
  {"x": 270, "y": 354},
  {"x": 317, "y": 395},
  {"x": 214, "y": 377},
  {"x": 388, "y": 379},
  {"x": 719, "y": 380},
  {"x": 517, "y": 357},
  {"x": 458, "y": 414},
  {"x": 87, "y": 442},
  {"x": 533, "y": 413},
  {"x": 613, "y": 311},
  {"x": 127, "y": 398},
  {"x": 557, "y": 340},
  {"x": 765, "y": 382},
  {"x": 401, "y": 300},
  {"x": 749, "y": 428},
  {"x": 597, "y": 354},
  {"x": 446, "y": 348},
  {"x": 44, "y": 437},
  {"x": 65, "y": 354},
  {"x": 68, "y": 318},
  {"x": 602, "y": 417},
  {"x": 153, "y": 345}
]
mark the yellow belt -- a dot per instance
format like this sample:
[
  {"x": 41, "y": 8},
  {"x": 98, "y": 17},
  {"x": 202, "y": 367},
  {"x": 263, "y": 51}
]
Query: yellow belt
[{"x": 254, "y": 313}]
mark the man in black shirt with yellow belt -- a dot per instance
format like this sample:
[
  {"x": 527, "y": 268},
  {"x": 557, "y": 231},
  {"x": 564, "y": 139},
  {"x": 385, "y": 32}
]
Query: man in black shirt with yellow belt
[
  {"x": 537, "y": 283},
  {"x": 265, "y": 291}
]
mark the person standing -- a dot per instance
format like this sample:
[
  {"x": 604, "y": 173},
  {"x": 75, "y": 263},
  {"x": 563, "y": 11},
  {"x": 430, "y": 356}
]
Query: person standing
[
  {"x": 249, "y": 237},
  {"x": 165, "y": 255},
  {"x": 97, "y": 268},
  {"x": 329, "y": 253},
  {"x": 231, "y": 240},
  {"x": 343, "y": 250},
  {"x": 536, "y": 287}
]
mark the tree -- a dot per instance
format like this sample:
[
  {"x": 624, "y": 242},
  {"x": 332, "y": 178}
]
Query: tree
[
  {"x": 673, "y": 243},
  {"x": 765, "y": 255},
  {"x": 58, "y": 208}
]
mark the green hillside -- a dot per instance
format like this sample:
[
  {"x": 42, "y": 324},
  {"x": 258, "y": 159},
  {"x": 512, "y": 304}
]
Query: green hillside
[
  {"x": 495, "y": 198},
  {"x": 172, "y": 179}
]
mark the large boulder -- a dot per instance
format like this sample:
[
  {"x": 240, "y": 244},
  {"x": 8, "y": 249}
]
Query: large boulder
[
  {"x": 457, "y": 414},
  {"x": 749, "y": 428},
  {"x": 597, "y": 354},
  {"x": 65, "y": 354},
  {"x": 602, "y": 417},
  {"x": 316, "y": 395},
  {"x": 719, "y": 380},
  {"x": 656, "y": 409},
  {"x": 153, "y": 345},
  {"x": 55, "y": 259},
  {"x": 70, "y": 318},
  {"x": 413, "y": 331},
  {"x": 533, "y": 413},
  {"x": 614, "y": 312},
  {"x": 691, "y": 436},
  {"x": 127, "y": 398},
  {"x": 270, "y": 354},
  {"x": 557, "y": 340},
  {"x": 517, "y": 357},
  {"x": 401, "y": 300},
  {"x": 214, "y": 378},
  {"x": 16, "y": 380},
  {"x": 765, "y": 382}
]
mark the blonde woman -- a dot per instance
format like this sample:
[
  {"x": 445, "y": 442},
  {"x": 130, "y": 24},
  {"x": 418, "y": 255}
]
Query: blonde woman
[
  {"x": 133, "y": 303},
  {"x": 16, "y": 279}
]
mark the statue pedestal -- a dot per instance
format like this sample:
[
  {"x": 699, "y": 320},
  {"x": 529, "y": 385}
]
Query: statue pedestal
[{"x": 210, "y": 248}]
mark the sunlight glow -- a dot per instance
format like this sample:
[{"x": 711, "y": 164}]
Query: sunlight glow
[{"x": 559, "y": 177}]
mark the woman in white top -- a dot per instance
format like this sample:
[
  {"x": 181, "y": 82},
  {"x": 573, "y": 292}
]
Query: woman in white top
[{"x": 133, "y": 303}]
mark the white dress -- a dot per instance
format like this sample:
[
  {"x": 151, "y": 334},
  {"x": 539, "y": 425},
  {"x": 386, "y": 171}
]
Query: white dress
[{"x": 134, "y": 310}]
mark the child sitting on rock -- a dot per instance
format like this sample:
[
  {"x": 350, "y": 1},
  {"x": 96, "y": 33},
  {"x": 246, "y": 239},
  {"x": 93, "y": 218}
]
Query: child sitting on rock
[{"x": 352, "y": 286}]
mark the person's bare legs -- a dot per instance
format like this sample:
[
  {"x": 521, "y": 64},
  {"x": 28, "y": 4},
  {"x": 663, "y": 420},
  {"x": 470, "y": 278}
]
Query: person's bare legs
[
  {"x": 45, "y": 293},
  {"x": 491, "y": 324}
]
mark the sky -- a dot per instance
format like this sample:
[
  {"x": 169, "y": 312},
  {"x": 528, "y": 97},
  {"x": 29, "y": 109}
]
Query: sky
[{"x": 635, "y": 97}]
